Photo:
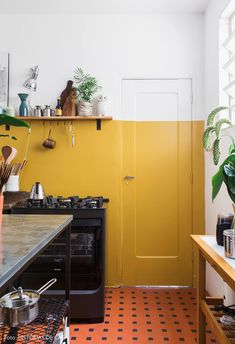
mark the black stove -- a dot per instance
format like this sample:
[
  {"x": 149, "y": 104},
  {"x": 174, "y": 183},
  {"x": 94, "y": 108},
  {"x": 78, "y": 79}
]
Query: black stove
[
  {"x": 87, "y": 253},
  {"x": 72, "y": 202}
]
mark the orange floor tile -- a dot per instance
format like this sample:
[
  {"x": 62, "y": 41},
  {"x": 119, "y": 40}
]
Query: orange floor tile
[{"x": 144, "y": 315}]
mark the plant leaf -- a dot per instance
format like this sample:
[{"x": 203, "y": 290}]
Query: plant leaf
[
  {"x": 229, "y": 170},
  {"x": 219, "y": 125},
  {"x": 220, "y": 176},
  {"x": 231, "y": 186},
  {"x": 213, "y": 113},
  {"x": 231, "y": 149},
  {"x": 206, "y": 139},
  {"x": 216, "y": 151},
  {"x": 231, "y": 195},
  {"x": 86, "y": 85},
  {"x": 217, "y": 181},
  {"x": 229, "y": 178},
  {"x": 8, "y": 120}
]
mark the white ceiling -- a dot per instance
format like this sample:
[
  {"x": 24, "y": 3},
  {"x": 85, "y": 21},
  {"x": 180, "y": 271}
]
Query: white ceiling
[{"x": 109, "y": 6}]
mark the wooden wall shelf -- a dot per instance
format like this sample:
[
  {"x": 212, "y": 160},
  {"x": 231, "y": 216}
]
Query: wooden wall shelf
[{"x": 68, "y": 118}]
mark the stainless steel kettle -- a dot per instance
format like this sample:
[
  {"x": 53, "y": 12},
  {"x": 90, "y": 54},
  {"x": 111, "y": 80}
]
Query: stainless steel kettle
[{"x": 37, "y": 192}]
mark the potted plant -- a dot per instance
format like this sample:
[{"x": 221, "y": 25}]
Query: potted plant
[
  {"x": 86, "y": 86},
  {"x": 4, "y": 169},
  {"x": 8, "y": 121},
  {"x": 211, "y": 140}
]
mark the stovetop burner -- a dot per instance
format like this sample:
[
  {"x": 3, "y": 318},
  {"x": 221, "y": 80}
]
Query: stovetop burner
[{"x": 73, "y": 202}]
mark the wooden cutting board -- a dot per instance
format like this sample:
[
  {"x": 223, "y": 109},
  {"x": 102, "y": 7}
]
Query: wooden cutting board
[{"x": 70, "y": 105}]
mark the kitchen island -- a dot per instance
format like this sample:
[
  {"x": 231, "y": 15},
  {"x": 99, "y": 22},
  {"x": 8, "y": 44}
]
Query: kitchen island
[{"x": 23, "y": 238}]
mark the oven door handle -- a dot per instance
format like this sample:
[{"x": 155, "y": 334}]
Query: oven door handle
[
  {"x": 86, "y": 223},
  {"x": 58, "y": 260}
]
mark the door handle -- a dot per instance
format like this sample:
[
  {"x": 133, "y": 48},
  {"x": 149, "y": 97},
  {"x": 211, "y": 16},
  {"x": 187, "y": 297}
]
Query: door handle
[{"x": 129, "y": 177}]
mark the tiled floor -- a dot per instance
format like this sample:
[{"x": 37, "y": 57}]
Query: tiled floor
[{"x": 144, "y": 315}]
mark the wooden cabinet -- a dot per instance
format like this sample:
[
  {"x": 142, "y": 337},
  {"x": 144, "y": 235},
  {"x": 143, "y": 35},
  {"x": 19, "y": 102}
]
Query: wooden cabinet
[{"x": 209, "y": 251}]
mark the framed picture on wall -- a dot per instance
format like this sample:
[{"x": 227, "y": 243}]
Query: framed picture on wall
[{"x": 4, "y": 79}]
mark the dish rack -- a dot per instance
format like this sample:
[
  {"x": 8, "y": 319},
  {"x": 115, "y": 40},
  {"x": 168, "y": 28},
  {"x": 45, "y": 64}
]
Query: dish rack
[
  {"x": 214, "y": 314},
  {"x": 52, "y": 313}
]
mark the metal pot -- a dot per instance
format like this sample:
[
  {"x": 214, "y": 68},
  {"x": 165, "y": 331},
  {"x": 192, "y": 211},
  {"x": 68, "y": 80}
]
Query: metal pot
[
  {"x": 20, "y": 307},
  {"x": 48, "y": 112},
  {"x": 229, "y": 243},
  {"x": 37, "y": 192},
  {"x": 37, "y": 112}
]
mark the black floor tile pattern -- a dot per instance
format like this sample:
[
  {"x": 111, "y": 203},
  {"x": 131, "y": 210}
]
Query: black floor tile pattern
[{"x": 144, "y": 315}]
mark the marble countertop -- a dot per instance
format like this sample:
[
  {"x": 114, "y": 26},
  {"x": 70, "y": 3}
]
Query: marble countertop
[{"x": 23, "y": 236}]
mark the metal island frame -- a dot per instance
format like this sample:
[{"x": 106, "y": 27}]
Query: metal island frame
[{"x": 22, "y": 239}]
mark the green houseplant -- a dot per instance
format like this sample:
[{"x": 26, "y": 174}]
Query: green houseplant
[
  {"x": 211, "y": 140},
  {"x": 86, "y": 86},
  {"x": 12, "y": 121}
]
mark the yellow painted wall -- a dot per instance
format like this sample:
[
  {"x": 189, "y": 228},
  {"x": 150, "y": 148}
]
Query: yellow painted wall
[{"x": 93, "y": 167}]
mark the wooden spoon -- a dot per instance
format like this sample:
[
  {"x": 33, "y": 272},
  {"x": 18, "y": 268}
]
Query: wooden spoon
[
  {"x": 9, "y": 153},
  {"x": 6, "y": 152}
]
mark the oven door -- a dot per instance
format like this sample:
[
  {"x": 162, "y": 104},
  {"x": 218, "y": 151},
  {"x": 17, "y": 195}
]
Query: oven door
[
  {"x": 86, "y": 254},
  {"x": 86, "y": 259}
]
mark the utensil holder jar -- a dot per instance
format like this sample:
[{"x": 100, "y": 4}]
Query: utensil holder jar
[
  {"x": 12, "y": 183},
  {"x": 229, "y": 243}
]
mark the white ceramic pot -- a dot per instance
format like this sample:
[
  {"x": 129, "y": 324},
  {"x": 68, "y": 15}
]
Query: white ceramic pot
[
  {"x": 12, "y": 183},
  {"x": 84, "y": 109}
]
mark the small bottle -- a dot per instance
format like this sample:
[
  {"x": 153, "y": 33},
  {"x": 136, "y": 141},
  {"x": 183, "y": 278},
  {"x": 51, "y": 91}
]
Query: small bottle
[{"x": 58, "y": 110}]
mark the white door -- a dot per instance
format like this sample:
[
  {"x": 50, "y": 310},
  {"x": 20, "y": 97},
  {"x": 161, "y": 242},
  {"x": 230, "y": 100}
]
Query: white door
[{"x": 157, "y": 189}]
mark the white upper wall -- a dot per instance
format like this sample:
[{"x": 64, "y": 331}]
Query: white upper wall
[
  {"x": 222, "y": 203},
  {"x": 91, "y": 6},
  {"x": 111, "y": 47},
  {"x": 214, "y": 11}
]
